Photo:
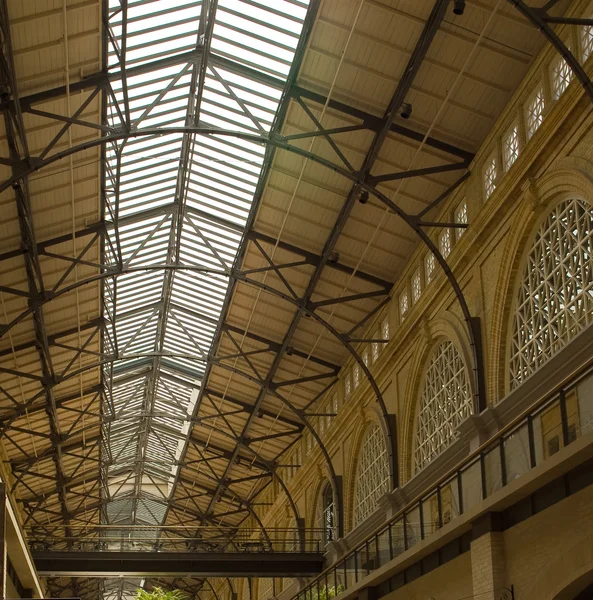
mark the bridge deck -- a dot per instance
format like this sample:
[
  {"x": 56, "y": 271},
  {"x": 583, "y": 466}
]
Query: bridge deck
[{"x": 193, "y": 564}]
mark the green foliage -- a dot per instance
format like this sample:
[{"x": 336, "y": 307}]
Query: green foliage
[
  {"x": 325, "y": 593},
  {"x": 158, "y": 593}
]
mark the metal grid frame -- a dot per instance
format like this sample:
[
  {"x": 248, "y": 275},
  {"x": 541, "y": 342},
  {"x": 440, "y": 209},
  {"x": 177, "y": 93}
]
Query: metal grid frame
[
  {"x": 445, "y": 402},
  {"x": 198, "y": 64},
  {"x": 553, "y": 300},
  {"x": 372, "y": 473}
]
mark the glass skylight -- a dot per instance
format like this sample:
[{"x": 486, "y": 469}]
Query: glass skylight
[{"x": 176, "y": 206}]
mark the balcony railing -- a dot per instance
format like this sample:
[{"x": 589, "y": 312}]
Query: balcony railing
[
  {"x": 146, "y": 538},
  {"x": 552, "y": 423}
]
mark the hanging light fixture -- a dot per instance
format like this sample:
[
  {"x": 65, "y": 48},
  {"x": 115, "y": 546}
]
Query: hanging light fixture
[{"x": 458, "y": 7}]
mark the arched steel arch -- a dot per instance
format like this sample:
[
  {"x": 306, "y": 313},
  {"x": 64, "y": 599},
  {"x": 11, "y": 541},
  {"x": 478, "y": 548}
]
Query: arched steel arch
[
  {"x": 280, "y": 143},
  {"x": 300, "y": 414},
  {"x": 415, "y": 224}
]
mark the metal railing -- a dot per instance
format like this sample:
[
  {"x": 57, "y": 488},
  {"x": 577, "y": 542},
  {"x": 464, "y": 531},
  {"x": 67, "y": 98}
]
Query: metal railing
[
  {"x": 148, "y": 538},
  {"x": 552, "y": 423}
]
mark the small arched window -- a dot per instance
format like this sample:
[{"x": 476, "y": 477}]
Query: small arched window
[
  {"x": 326, "y": 514},
  {"x": 554, "y": 301},
  {"x": 372, "y": 474},
  {"x": 445, "y": 402}
]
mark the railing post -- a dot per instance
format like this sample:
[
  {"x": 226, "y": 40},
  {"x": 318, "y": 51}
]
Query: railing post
[
  {"x": 421, "y": 515},
  {"x": 503, "y": 463},
  {"x": 439, "y": 506},
  {"x": 405, "y": 525},
  {"x": 483, "y": 476},
  {"x": 301, "y": 534},
  {"x": 531, "y": 438},
  {"x": 460, "y": 492},
  {"x": 390, "y": 529},
  {"x": 564, "y": 419}
]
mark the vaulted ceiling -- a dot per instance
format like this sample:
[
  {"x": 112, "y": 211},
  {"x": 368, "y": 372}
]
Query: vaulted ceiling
[{"x": 185, "y": 264}]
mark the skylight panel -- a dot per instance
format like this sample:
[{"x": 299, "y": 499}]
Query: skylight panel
[{"x": 176, "y": 206}]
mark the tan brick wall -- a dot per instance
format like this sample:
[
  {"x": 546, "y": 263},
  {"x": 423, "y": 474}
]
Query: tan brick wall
[
  {"x": 488, "y": 566},
  {"x": 550, "y": 550},
  {"x": 452, "y": 581},
  {"x": 486, "y": 262}
]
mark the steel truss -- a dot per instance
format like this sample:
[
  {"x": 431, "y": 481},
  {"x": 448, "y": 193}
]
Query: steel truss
[{"x": 199, "y": 361}]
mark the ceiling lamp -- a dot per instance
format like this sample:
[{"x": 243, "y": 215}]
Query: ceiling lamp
[
  {"x": 458, "y": 7},
  {"x": 406, "y": 110}
]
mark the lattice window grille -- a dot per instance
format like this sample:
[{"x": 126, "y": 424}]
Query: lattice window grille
[
  {"x": 356, "y": 376},
  {"x": 385, "y": 329},
  {"x": 510, "y": 147},
  {"x": 535, "y": 111},
  {"x": 375, "y": 348},
  {"x": 347, "y": 386},
  {"x": 372, "y": 474},
  {"x": 326, "y": 514},
  {"x": 446, "y": 402},
  {"x": 555, "y": 298},
  {"x": 490, "y": 178},
  {"x": 445, "y": 242},
  {"x": 460, "y": 217},
  {"x": 561, "y": 76},
  {"x": 366, "y": 357},
  {"x": 429, "y": 267},
  {"x": 403, "y": 304},
  {"x": 416, "y": 286},
  {"x": 587, "y": 41}
]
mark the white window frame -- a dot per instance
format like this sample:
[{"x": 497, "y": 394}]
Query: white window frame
[
  {"x": 366, "y": 357},
  {"x": 535, "y": 111},
  {"x": 554, "y": 298},
  {"x": 375, "y": 348},
  {"x": 416, "y": 285},
  {"x": 404, "y": 304},
  {"x": 355, "y": 376},
  {"x": 560, "y": 76},
  {"x": 385, "y": 329},
  {"x": 445, "y": 402},
  {"x": 510, "y": 146},
  {"x": 429, "y": 267},
  {"x": 460, "y": 218},
  {"x": 586, "y": 40},
  {"x": 445, "y": 245},
  {"x": 490, "y": 176},
  {"x": 347, "y": 386},
  {"x": 372, "y": 473}
]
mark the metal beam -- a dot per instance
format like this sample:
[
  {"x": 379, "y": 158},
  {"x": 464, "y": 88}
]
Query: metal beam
[{"x": 172, "y": 564}]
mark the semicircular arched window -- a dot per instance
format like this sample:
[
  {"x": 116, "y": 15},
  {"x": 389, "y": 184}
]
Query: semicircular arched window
[
  {"x": 372, "y": 474},
  {"x": 445, "y": 402},
  {"x": 554, "y": 301},
  {"x": 326, "y": 514}
]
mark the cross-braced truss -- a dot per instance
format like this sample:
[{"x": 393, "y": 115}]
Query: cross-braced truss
[{"x": 165, "y": 402}]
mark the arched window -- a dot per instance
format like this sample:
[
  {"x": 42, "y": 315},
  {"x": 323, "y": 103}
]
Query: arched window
[
  {"x": 326, "y": 514},
  {"x": 372, "y": 474},
  {"x": 555, "y": 297},
  {"x": 446, "y": 401}
]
